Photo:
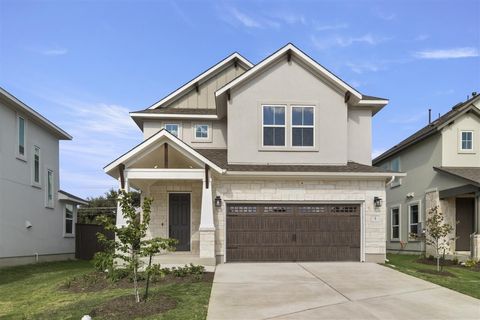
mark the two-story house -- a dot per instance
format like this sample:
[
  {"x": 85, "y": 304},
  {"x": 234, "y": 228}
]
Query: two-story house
[
  {"x": 442, "y": 162},
  {"x": 37, "y": 220},
  {"x": 265, "y": 162}
]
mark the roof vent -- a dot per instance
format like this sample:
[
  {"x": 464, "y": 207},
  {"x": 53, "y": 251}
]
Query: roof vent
[{"x": 474, "y": 93}]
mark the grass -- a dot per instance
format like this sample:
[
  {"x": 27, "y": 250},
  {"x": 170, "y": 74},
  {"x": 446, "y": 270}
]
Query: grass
[
  {"x": 465, "y": 281},
  {"x": 32, "y": 292}
]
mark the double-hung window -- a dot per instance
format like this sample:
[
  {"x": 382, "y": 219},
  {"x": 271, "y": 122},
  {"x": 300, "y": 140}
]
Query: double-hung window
[
  {"x": 395, "y": 166},
  {"x": 36, "y": 166},
  {"x": 20, "y": 150},
  {"x": 466, "y": 140},
  {"x": 413, "y": 218},
  {"x": 395, "y": 223},
  {"x": 68, "y": 219},
  {"x": 273, "y": 125},
  {"x": 173, "y": 128},
  {"x": 49, "y": 189},
  {"x": 302, "y": 126}
]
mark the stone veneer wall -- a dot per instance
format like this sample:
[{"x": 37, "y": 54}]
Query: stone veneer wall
[
  {"x": 447, "y": 207},
  {"x": 308, "y": 190},
  {"x": 159, "y": 217}
]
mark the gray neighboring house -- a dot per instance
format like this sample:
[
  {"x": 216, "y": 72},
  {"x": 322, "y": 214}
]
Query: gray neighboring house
[
  {"x": 265, "y": 162},
  {"x": 442, "y": 162},
  {"x": 37, "y": 220}
]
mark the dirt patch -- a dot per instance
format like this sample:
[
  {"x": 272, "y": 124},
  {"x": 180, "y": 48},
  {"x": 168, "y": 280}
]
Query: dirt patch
[
  {"x": 125, "y": 307},
  {"x": 438, "y": 273},
  {"x": 96, "y": 281}
]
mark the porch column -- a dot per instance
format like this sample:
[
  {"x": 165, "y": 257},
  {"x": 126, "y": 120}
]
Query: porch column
[
  {"x": 475, "y": 244},
  {"x": 207, "y": 226},
  {"x": 120, "y": 219}
]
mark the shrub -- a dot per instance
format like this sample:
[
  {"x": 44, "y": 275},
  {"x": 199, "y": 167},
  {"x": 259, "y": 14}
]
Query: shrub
[{"x": 470, "y": 263}]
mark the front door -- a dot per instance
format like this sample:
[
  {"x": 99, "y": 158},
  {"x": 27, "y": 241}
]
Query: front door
[
  {"x": 179, "y": 219},
  {"x": 465, "y": 208}
]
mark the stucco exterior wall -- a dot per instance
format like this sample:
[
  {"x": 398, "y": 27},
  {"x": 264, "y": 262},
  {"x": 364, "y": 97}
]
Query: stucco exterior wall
[
  {"x": 218, "y": 132},
  {"x": 20, "y": 201},
  {"x": 360, "y": 136},
  {"x": 452, "y": 156},
  {"x": 286, "y": 83}
]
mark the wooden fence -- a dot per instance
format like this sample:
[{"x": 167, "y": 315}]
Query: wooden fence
[{"x": 86, "y": 242}]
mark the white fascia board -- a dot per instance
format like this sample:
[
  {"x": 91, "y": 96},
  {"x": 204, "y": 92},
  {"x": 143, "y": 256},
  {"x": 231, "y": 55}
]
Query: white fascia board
[
  {"x": 173, "y": 116},
  {"x": 36, "y": 116},
  {"x": 206, "y": 74},
  {"x": 370, "y": 102},
  {"x": 315, "y": 65},
  {"x": 64, "y": 197},
  {"x": 154, "y": 139},
  {"x": 471, "y": 107},
  {"x": 317, "y": 174},
  {"x": 165, "y": 174}
]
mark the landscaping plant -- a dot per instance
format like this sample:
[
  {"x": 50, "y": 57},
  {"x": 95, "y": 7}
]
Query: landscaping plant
[
  {"x": 437, "y": 231},
  {"x": 129, "y": 244}
]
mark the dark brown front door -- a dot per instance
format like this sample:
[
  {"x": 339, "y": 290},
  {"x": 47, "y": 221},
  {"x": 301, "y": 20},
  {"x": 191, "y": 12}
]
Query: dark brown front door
[
  {"x": 293, "y": 232},
  {"x": 179, "y": 219},
  {"x": 465, "y": 208}
]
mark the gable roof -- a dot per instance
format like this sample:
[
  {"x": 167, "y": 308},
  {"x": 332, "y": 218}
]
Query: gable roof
[
  {"x": 66, "y": 196},
  {"x": 430, "y": 129},
  {"x": 34, "y": 115},
  {"x": 152, "y": 143},
  {"x": 203, "y": 77}
]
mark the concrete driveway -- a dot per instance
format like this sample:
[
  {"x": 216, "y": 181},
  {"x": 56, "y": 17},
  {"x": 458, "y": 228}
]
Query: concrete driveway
[{"x": 330, "y": 291}]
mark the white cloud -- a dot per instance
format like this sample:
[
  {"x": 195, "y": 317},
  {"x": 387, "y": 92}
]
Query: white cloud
[
  {"x": 361, "y": 67},
  {"x": 454, "y": 53},
  {"x": 328, "y": 27},
  {"x": 387, "y": 16},
  {"x": 341, "y": 41},
  {"x": 290, "y": 18},
  {"x": 408, "y": 118},
  {"x": 54, "y": 51},
  {"x": 244, "y": 19}
]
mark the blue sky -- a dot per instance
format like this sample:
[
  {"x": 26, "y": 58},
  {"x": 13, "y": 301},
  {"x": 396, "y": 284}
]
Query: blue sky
[{"x": 86, "y": 64}]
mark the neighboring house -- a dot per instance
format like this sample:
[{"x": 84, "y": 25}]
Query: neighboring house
[
  {"x": 266, "y": 162},
  {"x": 442, "y": 162},
  {"x": 37, "y": 220}
]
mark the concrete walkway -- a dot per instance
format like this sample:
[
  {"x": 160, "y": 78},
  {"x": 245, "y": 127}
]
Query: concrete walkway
[{"x": 330, "y": 291}]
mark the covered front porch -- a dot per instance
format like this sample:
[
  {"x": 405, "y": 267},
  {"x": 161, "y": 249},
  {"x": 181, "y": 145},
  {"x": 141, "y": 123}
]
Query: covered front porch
[{"x": 179, "y": 180}]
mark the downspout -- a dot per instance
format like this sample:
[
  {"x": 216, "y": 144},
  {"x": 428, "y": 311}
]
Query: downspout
[{"x": 390, "y": 181}]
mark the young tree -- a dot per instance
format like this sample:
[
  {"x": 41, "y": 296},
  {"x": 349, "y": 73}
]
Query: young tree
[
  {"x": 437, "y": 231},
  {"x": 129, "y": 245}
]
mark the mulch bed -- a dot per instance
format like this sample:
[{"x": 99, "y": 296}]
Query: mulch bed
[
  {"x": 437, "y": 273},
  {"x": 96, "y": 281},
  {"x": 125, "y": 307}
]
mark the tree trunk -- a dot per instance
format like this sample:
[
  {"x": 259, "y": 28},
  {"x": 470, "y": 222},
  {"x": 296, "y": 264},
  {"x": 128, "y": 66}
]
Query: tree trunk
[
  {"x": 438, "y": 262},
  {"x": 148, "y": 278},
  {"x": 135, "y": 282}
]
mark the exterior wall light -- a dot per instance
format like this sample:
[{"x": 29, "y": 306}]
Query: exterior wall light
[
  {"x": 377, "y": 201},
  {"x": 218, "y": 201}
]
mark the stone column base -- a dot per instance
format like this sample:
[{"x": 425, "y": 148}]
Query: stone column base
[
  {"x": 207, "y": 243},
  {"x": 475, "y": 246}
]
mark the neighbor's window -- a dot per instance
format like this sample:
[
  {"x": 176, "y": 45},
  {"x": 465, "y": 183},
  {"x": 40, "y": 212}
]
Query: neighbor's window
[
  {"x": 302, "y": 126},
  {"x": 36, "y": 165},
  {"x": 21, "y": 136},
  {"x": 50, "y": 188},
  {"x": 395, "y": 166},
  {"x": 466, "y": 140},
  {"x": 173, "y": 129},
  {"x": 274, "y": 125},
  {"x": 68, "y": 218},
  {"x": 201, "y": 131},
  {"x": 413, "y": 211},
  {"x": 395, "y": 223}
]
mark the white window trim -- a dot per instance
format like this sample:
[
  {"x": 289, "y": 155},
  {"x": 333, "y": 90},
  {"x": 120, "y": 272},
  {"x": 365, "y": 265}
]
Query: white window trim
[
  {"x": 292, "y": 126},
  {"x": 209, "y": 132},
  {"x": 47, "y": 203},
  {"x": 275, "y": 126},
  {"x": 35, "y": 183},
  {"x": 74, "y": 220},
  {"x": 19, "y": 156},
  {"x": 460, "y": 147},
  {"x": 399, "y": 207},
  {"x": 410, "y": 204},
  {"x": 174, "y": 124}
]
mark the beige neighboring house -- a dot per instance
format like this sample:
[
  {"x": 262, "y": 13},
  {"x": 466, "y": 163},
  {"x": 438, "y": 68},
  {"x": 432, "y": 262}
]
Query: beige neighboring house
[
  {"x": 37, "y": 220},
  {"x": 265, "y": 162},
  {"x": 442, "y": 162}
]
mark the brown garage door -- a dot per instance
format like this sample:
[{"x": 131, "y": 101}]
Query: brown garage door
[{"x": 293, "y": 232}]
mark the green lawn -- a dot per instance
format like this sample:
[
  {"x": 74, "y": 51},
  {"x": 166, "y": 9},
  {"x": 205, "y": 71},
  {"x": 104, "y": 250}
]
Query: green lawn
[
  {"x": 31, "y": 292},
  {"x": 465, "y": 281}
]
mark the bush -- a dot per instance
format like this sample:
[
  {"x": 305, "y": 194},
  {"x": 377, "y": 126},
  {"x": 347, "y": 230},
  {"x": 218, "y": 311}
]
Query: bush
[
  {"x": 470, "y": 263},
  {"x": 191, "y": 269},
  {"x": 103, "y": 261}
]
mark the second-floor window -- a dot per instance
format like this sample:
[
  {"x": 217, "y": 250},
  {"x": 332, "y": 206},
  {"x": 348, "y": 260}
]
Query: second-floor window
[
  {"x": 466, "y": 143},
  {"x": 173, "y": 128},
  {"x": 49, "y": 189},
  {"x": 201, "y": 131},
  {"x": 395, "y": 166},
  {"x": 302, "y": 126},
  {"x": 36, "y": 166},
  {"x": 21, "y": 137},
  {"x": 274, "y": 125}
]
